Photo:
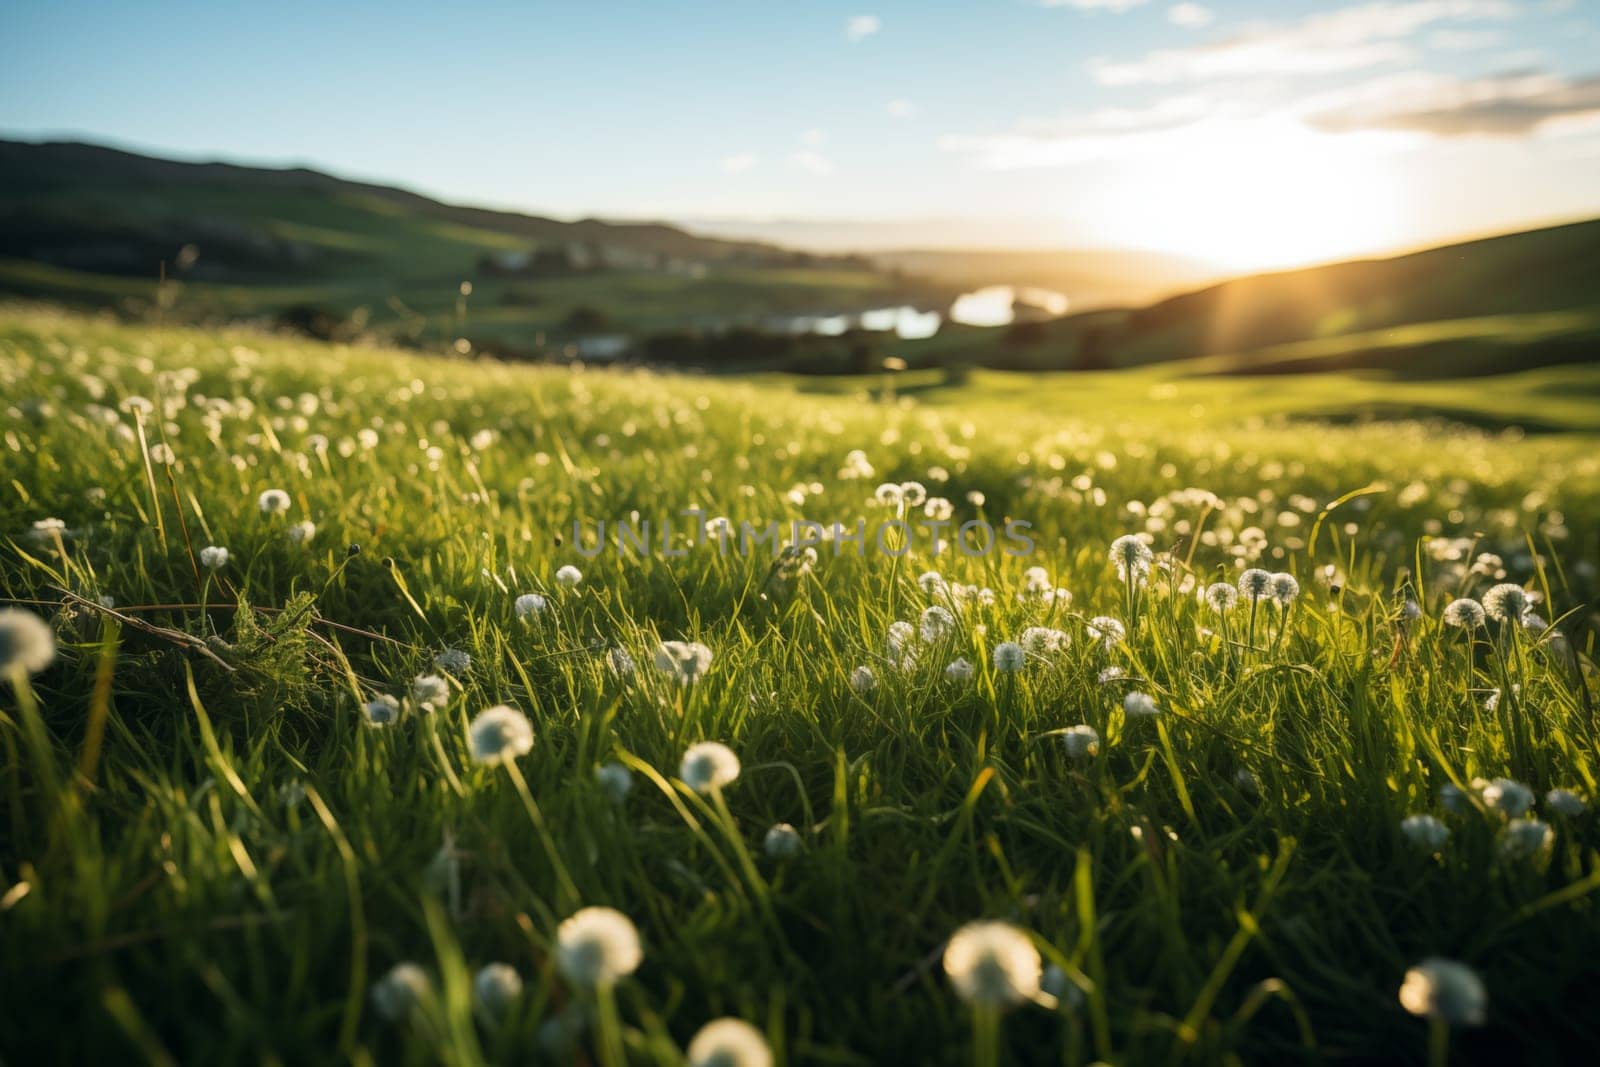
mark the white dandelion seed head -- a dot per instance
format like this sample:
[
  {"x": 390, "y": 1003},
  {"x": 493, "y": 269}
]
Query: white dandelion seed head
[
  {"x": 597, "y": 946},
  {"x": 1465, "y": 613},
  {"x": 1565, "y": 802},
  {"x": 1055, "y": 982},
  {"x": 1507, "y": 602},
  {"x": 783, "y": 842},
  {"x": 401, "y": 991},
  {"x": 684, "y": 661},
  {"x": 1410, "y": 611},
  {"x": 1454, "y": 799},
  {"x": 729, "y": 1043},
  {"x": 162, "y": 453},
  {"x": 452, "y": 660},
  {"x": 1526, "y": 839},
  {"x": 1221, "y": 597},
  {"x": 381, "y": 710},
  {"x": 937, "y": 624},
  {"x": 430, "y": 691},
  {"x": 1009, "y": 657},
  {"x": 1108, "y": 631},
  {"x": 862, "y": 680},
  {"x": 529, "y": 604},
  {"x": 1285, "y": 589},
  {"x": 26, "y": 641},
  {"x": 496, "y": 987},
  {"x": 1137, "y": 705},
  {"x": 301, "y": 532},
  {"x": 614, "y": 780},
  {"x": 932, "y": 583},
  {"x": 993, "y": 963},
  {"x": 1255, "y": 584},
  {"x": 708, "y": 765},
  {"x": 1041, "y": 640},
  {"x": 1081, "y": 741},
  {"x": 888, "y": 495},
  {"x": 1110, "y": 674},
  {"x": 568, "y": 577},
  {"x": 213, "y": 557},
  {"x": 959, "y": 671},
  {"x": 1425, "y": 832},
  {"x": 1446, "y": 990},
  {"x": 1511, "y": 799},
  {"x": 498, "y": 735},
  {"x": 273, "y": 502},
  {"x": 1245, "y": 780},
  {"x": 1131, "y": 556},
  {"x": 915, "y": 494}
]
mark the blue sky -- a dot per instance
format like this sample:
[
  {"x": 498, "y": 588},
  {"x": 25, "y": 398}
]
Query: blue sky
[{"x": 1252, "y": 133}]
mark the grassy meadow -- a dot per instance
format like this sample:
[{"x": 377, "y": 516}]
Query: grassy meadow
[{"x": 219, "y": 839}]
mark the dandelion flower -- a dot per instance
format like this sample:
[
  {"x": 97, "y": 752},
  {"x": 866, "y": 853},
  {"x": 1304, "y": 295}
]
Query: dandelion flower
[
  {"x": 1507, "y": 602},
  {"x": 1041, "y": 640},
  {"x": 862, "y": 680},
  {"x": 932, "y": 583},
  {"x": 1221, "y": 597},
  {"x": 568, "y": 577},
  {"x": 685, "y": 661},
  {"x": 959, "y": 671},
  {"x": 1255, "y": 584},
  {"x": 398, "y": 993},
  {"x": 27, "y": 642},
  {"x": 993, "y": 963},
  {"x": 496, "y": 987},
  {"x": 273, "y": 502},
  {"x": 498, "y": 735},
  {"x": 1055, "y": 982},
  {"x": 1110, "y": 674},
  {"x": 729, "y": 1043},
  {"x": 1446, "y": 990},
  {"x": 615, "y": 780},
  {"x": 1465, "y": 613},
  {"x": 1132, "y": 557},
  {"x": 453, "y": 660},
  {"x": 783, "y": 842},
  {"x": 430, "y": 691},
  {"x": 528, "y": 605},
  {"x": 1525, "y": 839},
  {"x": 1082, "y": 742},
  {"x": 1245, "y": 780},
  {"x": 1565, "y": 802},
  {"x": 708, "y": 765},
  {"x": 1285, "y": 589},
  {"x": 213, "y": 557},
  {"x": 1108, "y": 631},
  {"x": 1425, "y": 832},
  {"x": 302, "y": 532},
  {"x": 621, "y": 662},
  {"x": 381, "y": 710},
  {"x": 1137, "y": 705},
  {"x": 937, "y": 624},
  {"x": 888, "y": 495},
  {"x": 597, "y": 946},
  {"x": 1008, "y": 657},
  {"x": 1509, "y": 798}
]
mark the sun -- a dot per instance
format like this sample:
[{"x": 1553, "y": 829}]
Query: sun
[{"x": 1264, "y": 197}]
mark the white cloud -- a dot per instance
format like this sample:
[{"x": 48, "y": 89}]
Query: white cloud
[
  {"x": 1189, "y": 16},
  {"x": 814, "y": 138},
  {"x": 815, "y": 162},
  {"x": 1351, "y": 38},
  {"x": 1114, "y": 6},
  {"x": 1506, "y": 105},
  {"x": 1463, "y": 40},
  {"x": 859, "y": 27},
  {"x": 900, "y": 109},
  {"x": 738, "y": 164},
  {"x": 1108, "y": 133}
]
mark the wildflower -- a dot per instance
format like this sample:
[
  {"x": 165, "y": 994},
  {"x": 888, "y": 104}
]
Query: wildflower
[
  {"x": 453, "y": 660},
  {"x": 1507, "y": 602},
  {"x": 430, "y": 691},
  {"x": 1221, "y": 597},
  {"x": 162, "y": 453},
  {"x": 1137, "y": 705},
  {"x": 1446, "y": 990},
  {"x": 1082, "y": 741},
  {"x": 1036, "y": 584},
  {"x": 1524, "y": 839},
  {"x": 568, "y": 577},
  {"x": 273, "y": 502},
  {"x": 1110, "y": 674},
  {"x": 862, "y": 680},
  {"x": 621, "y": 662},
  {"x": 915, "y": 494},
  {"x": 1565, "y": 802},
  {"x": 1108, "y": 631},
  {"x": 959, "y": 672},
  {"x": 302, "y": 532},
  {"x": 937, "y": 624},
  {"x": 729, "y": 1043},
  {"x": 27, "y": 643},
  {"x": 888, "y": 495},
  {"x": 1465, "y": 613},
  {"x": 685, "y": 661},
  {"x": 1039, "y": 640},
  {"x": 401, "y": 991},
  {"x": 498, "y": 735},
  {"x": 615, "y": 780},
  {"x": 1055, "y": 982},
  {"x": 1245, "y": 780},
  {"x": 529, "y": 604},
  {"x": 1008, "y": 657},
  {"x": 708, "y": 765},
  {"x": 783, "y": 842},
  {"x": 597, "y": 946},
  {"x": 993, "y": 963},
  {"x": 496, "y": 987},
  {"x": 213, "y": 557},
  {"x": 1454, "y": 799},
  {"x": 1285, "y": 589},
  {"x": 1132, "y": 558},
  {"x": 1509, "y": 798},
  {"x": 1255, "y": 584},
  {"x": 381, "y": 710},
  {"x": 932, "y": 583},
  {"x": 1425, "y": 832}
]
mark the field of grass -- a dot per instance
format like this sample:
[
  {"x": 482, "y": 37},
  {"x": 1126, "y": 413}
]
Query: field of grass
[{"x": 215, "y": 849}]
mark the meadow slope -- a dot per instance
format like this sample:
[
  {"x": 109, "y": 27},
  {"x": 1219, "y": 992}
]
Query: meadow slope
[{"x": 215, "y": 845}]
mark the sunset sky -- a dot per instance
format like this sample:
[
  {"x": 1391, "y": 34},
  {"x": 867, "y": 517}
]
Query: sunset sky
[{"x": 1250, "y": 134}]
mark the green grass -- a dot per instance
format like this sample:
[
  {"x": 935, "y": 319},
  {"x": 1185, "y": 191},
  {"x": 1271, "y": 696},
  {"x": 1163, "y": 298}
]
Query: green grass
[{"x": 166, "y": 893}]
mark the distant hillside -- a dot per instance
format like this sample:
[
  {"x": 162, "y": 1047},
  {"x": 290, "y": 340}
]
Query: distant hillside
[{"x": 1090, "y": 278}]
